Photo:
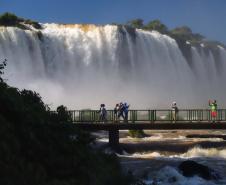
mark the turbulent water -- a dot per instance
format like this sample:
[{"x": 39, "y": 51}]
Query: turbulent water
[
  {"x": 82, "y": 66},
  {"x": 155, "y": 158}
]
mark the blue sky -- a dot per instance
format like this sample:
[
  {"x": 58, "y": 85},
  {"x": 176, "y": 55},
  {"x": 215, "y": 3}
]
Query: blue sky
[{"x": 202, "y": 16}]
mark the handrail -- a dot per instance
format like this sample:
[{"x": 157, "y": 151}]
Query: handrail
[{"x": 152, "y": 116}]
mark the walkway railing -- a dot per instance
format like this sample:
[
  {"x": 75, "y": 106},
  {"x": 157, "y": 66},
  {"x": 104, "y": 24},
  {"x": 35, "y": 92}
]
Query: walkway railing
[{"x": 152, "y": 116}]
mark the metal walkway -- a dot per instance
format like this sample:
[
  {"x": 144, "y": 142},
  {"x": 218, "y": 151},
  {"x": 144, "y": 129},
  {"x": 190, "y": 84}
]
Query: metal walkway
[{"x": 150, "y": 116}]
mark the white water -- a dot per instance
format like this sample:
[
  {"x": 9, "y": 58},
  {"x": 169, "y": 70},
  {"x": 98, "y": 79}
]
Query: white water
[
  {"x": 167, "y": 172},
  {"x": 169, "y": 175},
  {"x": 195, "y": 152},
  {"x": 161, "y": 167},
  {"x": 83, "y": 66}
]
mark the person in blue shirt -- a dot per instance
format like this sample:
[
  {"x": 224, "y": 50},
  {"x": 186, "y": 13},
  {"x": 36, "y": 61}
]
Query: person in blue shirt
[{"x": 125, "y": 111}]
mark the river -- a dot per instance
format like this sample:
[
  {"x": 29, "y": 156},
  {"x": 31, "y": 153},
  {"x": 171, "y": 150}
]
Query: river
[{"x": 155, "y": 158}]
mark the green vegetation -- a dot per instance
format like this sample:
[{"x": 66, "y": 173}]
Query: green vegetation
[
  {"x": 136, "y": 23},
  {"x": 137, "y": 133},
  {"x": 156, "y": 25},
  {"x": 182, "y": 35},
  {"x": 152, "y": 25},
  {"x": 40, "y": 147},
  {"x": 9, "y": 19},
  {"x": 185, "y": 33}
]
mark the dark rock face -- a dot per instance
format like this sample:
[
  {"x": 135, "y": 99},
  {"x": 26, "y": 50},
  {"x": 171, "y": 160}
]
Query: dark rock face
[{"x": 192, "y": 168}]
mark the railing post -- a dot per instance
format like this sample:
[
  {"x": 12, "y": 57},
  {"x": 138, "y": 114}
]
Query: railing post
[
  {"x": 149, "y": 115},
  {"x": 153, "y": 115},
  {"x": 133, "y": 116},
  {"x": 93, "y": 118},
  {"x": 170, "y": 115},
  {"x": 199, "y": 115},
  {"x": 80, "y": 116},
  {"x": 208, "y": 115},
  {"x": 220, "y": 115},
  {"x": 135, "y": 113},
  {"x": 225, "y": 115}
]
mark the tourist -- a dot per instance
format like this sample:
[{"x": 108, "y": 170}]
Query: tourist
[
  {"x": 174, "y": 111},
  {"x": 116, "y": 112},
  {"x": 120, "y": 111},
  {"x": 125, "y": 110},
  {"x": 213, "y": 107},
  {"x": 103, "y": 113}
]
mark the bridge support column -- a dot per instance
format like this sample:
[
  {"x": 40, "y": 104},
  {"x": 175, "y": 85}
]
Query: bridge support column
[{"x": 114, "y": 139}]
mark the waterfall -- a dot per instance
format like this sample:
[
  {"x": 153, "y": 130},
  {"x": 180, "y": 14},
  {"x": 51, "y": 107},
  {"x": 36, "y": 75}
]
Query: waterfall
[{"x": 82, "y": 66}]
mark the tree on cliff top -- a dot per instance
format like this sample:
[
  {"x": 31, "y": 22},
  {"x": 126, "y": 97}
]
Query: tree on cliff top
[
  {"x": 186, "y": 33},
  {"x": 136, "y": 23},
  {"x": 10, "y": 19},
  {"x": 156, "y": 25}
]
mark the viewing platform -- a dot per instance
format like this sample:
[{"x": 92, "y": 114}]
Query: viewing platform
[
  {"x": 186, "y": 119},
  {"x": 149, "y": 116}
]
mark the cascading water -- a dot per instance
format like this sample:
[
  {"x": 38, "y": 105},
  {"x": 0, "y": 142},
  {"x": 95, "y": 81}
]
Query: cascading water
[
  {"x": 82, "y": 66},
  {"x": 157, "y": 161}
]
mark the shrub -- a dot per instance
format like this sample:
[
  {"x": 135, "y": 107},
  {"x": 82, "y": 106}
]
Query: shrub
[
  {"x": 40, "y": 147},
  {"x": 136, "y": 23},
  {"x": 9, "y": 19},
  {"x": 156, "y": 25},
  {"x": 136, "y": 133}
]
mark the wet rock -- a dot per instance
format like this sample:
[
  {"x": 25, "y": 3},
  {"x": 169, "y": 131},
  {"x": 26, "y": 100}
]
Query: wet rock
[
  {"x": 172, "y": 179},
  {"x": 191, "y": 168}
]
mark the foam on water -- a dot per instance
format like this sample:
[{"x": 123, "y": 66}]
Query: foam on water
[
  {"x": 201, "y": 152},
  {"x": 195, "y": 152},
  {"x": 166, "y": 175},
  {"x": 169, "y": 175},
  {"x": 160, "y": 137}
]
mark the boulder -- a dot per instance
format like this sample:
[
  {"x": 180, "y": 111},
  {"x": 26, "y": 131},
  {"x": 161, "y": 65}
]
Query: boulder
[{"x": 191, "y": 168}]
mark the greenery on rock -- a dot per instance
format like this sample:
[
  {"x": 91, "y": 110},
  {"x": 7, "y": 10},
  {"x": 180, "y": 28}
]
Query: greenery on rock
[
  {"x": 40, "y": 147},
  {"x": 136, "y": 23},
  {"x": 182, "y": 33},
  {"x": 137, "y": 133},
  {"x": 156, "y": 25},
  {"x": 9, "y": 19}
]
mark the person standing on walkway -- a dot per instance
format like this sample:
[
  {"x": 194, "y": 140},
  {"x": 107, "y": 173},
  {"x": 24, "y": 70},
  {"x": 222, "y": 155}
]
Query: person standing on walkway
[
  {"x": 121, "y": 111},
  {"x": 126, "y": 111},
  {"x": 213, "y": 109},
  {"x": 116, "y": 112},
  {"x": 103, "y": 113},
  {"x": 174, "y": 111}
]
